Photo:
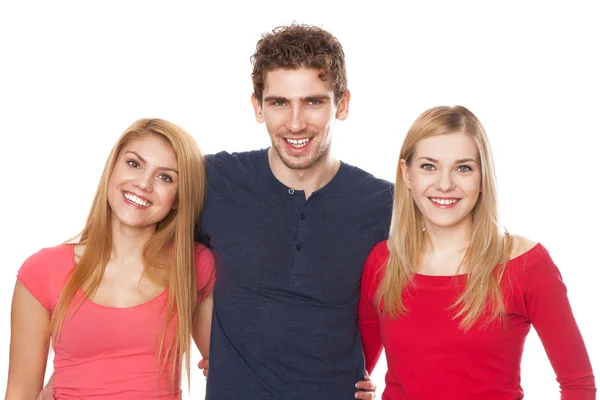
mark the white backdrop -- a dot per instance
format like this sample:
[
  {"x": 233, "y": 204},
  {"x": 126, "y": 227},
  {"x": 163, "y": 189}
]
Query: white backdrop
[{"x": 74, "y": 75}]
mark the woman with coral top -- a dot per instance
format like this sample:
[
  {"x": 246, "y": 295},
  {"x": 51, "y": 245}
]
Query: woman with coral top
[
  {"x": 450, "y": 295},
  {"x": 121, "y": 305}
]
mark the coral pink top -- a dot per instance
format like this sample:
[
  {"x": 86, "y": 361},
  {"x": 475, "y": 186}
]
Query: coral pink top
[
  {"x": 430, "y": 357},
  {"x": 106, "y": 352}
]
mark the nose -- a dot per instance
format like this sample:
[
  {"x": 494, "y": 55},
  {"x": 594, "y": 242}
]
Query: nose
[
  {"x": 144, "y": 181},
  {"x": 297, "y": 121},
  {"x": 445, "y": 182}
]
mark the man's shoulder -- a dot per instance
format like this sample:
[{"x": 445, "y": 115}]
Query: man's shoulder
[
  {"x": 240, "y": 157},
  {"x": 365, "y": 182},
  {"x": 236, "y": 164}
]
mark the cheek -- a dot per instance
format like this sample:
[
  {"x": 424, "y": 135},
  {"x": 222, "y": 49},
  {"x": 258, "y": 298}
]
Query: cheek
[
  {"x": 320, "y": 118},
  {"x": 274, "y": 119},
  {"x": 169, "y": 196},
  {"x": 119, "y": 174},
  {"x": 472, "y": 186},
  {"x": 420, "y": 183},
  {"x": 274, "y": 127}
]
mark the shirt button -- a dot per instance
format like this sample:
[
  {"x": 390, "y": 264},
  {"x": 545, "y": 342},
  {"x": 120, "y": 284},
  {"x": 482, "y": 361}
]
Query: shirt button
[
  {"x": 298, "y": 247},
  {"x": 302, "y": 215},
  {"x": 291, "y": 191}
]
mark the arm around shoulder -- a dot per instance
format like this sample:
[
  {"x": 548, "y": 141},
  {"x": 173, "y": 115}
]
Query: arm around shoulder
[
  {"x": 368, "y": 317},
  {"x": 205, "y": 280},
  {"x": 201, "y": 325}
]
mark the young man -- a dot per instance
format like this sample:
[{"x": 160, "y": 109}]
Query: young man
[{"x": 291, "y": 228}]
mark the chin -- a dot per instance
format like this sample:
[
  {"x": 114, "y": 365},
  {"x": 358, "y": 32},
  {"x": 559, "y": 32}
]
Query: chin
[
  {"x": 297, "y": 163},
  {"x": 446, "y": 223}
]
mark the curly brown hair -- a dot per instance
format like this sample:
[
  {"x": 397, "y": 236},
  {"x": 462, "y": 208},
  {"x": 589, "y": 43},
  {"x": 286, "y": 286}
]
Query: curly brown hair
[{"x": 300, "y": 46}]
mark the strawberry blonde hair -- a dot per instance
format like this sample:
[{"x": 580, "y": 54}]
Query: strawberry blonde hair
[{"x": 171, "y": 247}]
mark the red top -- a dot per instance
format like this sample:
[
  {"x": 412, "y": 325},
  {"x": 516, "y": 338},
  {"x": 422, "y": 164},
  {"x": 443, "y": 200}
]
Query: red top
[
  {"x": 108, "y": 353},
  {"x": 430, "y": 357}
]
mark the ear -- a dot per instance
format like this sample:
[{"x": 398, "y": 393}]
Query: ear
[
  {"x": 258, "y": 113},
  {"x": 405, "y": 175},
  {"x": 343, "y": 107}
]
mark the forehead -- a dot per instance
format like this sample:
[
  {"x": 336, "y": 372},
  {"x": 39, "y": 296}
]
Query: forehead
[
  {"x": 296, "y": 82},
  {"x": 448, "y": 146},
  {"x": 154, "y": 149}
]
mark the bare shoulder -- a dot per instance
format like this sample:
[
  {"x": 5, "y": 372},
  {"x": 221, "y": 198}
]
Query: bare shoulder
[
  {"x": 521, "y": 245},
  {"x": 78, "y": 250}
]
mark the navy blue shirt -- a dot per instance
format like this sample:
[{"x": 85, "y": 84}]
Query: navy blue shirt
[{"x": 288, "y": 274}]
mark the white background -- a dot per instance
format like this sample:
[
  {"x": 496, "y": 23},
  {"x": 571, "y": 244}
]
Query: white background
[{"x": 74, "y": 75}]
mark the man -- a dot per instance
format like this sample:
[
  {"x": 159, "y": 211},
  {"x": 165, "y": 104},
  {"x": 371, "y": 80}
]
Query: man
[{"x": 291, "y": 227}]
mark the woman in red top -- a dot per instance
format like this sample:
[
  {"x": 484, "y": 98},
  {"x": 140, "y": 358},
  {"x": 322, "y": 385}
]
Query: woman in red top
[
  {"x": 450, "y": 295},
  {"x": 121, "y": 305}
]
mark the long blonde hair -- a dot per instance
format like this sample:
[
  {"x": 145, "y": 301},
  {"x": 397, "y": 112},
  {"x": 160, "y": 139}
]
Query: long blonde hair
[
  {"x": 170, "y": 247},
  {"x": 489, "y": 245}
]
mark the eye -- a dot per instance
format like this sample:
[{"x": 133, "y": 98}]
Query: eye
[
  {"x": 428, "y": 167},
  {"x": 133, "y": 164},
  {"x": 464, "y": 168},
  {"x": 314, "y": 102},
  {"x": 278, "y": 103},
  {"x": 165, "y": 178}
]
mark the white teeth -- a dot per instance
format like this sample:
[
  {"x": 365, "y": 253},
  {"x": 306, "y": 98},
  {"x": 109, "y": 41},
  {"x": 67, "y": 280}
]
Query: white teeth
[
  {"x": 136, "y": 200},
  {"x": 444, "y": 201},
  {"x": 298, "y": 142}
]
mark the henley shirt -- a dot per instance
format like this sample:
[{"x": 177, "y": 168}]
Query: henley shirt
[{"x": 288, "y": 274}]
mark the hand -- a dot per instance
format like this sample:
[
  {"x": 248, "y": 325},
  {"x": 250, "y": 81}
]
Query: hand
[
  {"x": 203, "y": 365},
  {"x": 367, "y": 388},
  {"x": 47, "y": 392}
]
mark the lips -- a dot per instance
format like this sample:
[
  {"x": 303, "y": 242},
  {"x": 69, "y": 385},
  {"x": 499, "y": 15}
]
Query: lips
[
  {"x": 136, "y": 200},
  {"x": 298, "y": 143},
  {"x": 444, "y": 202}
]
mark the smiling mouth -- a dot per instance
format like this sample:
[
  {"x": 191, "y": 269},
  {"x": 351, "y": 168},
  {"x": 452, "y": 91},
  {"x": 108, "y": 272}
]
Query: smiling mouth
[
  {"x": 443, "y": 202},
  {"x": 136, "y": 200},
  {"x": 298, "y": 143}
]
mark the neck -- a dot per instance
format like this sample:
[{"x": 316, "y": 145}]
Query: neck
[
  {"x": 443, "y": 240},
  {"x": 128, "y": 242},
  {"x": 306, "y": 179}
]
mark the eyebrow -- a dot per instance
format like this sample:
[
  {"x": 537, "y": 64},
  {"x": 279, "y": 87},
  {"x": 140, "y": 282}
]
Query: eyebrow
[
  {"x": 319, "y": 97},
  {"x": 462, "y": 160},
  {"x": 144, "y": 161}
]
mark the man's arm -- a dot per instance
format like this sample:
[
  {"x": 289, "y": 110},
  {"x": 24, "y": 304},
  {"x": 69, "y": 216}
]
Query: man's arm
[{"x": 201, "y": 330}]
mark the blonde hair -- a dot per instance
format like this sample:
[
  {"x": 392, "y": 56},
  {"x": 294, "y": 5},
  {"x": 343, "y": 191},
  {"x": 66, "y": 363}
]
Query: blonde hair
[
  {"x": 489, "y": 246},
  {"x": 171, "y": 247}
]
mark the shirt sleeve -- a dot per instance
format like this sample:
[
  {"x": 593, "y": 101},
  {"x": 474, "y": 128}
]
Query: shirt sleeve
[
  {"x": 199, "y": 235},
  {"x": 34, "y": 274},
  {"x": 550, "y": 313},
  {"x": 205, "y": 271},
  {"x": 368, "y": 318}
]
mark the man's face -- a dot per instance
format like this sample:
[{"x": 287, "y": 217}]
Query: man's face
[{"x": 299, "y": 110}]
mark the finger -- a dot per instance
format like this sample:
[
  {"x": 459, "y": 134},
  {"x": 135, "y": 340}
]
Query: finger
[
  {"x": 365, "y": 395},
  {"x": 366, "y": 385},
  {"x": 45, "y": 394}
]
